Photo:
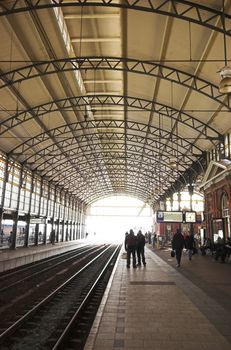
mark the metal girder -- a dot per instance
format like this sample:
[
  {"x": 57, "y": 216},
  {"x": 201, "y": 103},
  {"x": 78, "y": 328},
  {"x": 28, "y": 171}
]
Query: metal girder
[
  {"x": 104, "y": 152},
  {"x": 51, "y": 53},
  {"x": 120, "y": 189},
  {"x": 111, "y": 100},
  {"x": 130, "y": 187},
  {"x": 67, "y": 142},
  {"x": 182, "y": 9},
  {"x": 157, "y": 174},
  {"x": 113, "y": 162},
  {"x": 62, "y": 172},
  {"x": 145, "y": 186},
  {"x": 92, "y": 197},
  {"x": 155, "y": 136},
  {"x": 57, "y": 163},
  {"x": 118, "y": 177},
  {"x": 32, "y": 114},
  {"x": 130, "y": 65},
  {"x": 131, "y": 163},
  {"x": 189, "y": 175}
]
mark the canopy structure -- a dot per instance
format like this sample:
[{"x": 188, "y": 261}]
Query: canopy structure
[{"x": 114, "y": 97}]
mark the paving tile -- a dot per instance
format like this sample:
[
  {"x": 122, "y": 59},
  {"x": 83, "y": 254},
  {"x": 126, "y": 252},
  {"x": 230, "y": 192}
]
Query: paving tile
[{"x": 147, "y": 309}]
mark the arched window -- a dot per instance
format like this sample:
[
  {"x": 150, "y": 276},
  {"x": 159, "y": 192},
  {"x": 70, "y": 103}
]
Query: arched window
[{"x": 225, "y": 205}]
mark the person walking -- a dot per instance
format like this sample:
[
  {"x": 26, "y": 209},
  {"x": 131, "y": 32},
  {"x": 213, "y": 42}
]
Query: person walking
[
  {"x": 1, "y": 236},
  {"x": 178, "y": 244},
  {"x": 154, "y": 239},
  {"x": 52, "y": 237},
  {"x": 191, "y": 245},
  {"x": 130, "y": 247},
  {"x": 140, "y": 248}
]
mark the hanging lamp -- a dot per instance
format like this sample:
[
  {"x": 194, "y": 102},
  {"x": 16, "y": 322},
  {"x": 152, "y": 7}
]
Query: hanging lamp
[
  {"x": 225, "y": 83},
  {"x": 225, "y": 72}
]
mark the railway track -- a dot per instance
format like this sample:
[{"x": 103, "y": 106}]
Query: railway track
[
  {"x": 63, "y": 318},
  {"x": 29, "y": 272},
  {"x": 18, "y": 297}
]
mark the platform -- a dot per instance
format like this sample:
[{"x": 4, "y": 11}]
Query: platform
[
  {"x": 10, "y": 259},
  {"x": 161, "y": 307}
]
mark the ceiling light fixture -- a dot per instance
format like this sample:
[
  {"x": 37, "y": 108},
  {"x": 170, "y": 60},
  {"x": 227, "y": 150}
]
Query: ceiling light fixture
[
  {"x": 225, "y": 83},
  {"x": 225, "y": 72},
  {"x": 173, "y": 162}
]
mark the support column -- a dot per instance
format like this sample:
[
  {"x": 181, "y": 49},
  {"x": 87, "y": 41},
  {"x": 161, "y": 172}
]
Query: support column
[
  {"x": 14, "y": 230},
  {"x": 53, "y": 215},
  {"x": 45, "y": 231},
  {"x": 5, "y": 179},
  {"x": 36, "y": 233},
  {"x": 1, "y": 218},
  {"x": 59, "y": 219},
  {"x": 67, "y": 217},
  {"x": 15, "y": 215},
  {"x": 190, "y": 191},
  {"x": 179, "y": 199},
  {"x": 63, "y": 226},
  {"x": 39, "y": 211},
  {"x": 64, "y": 218},
  {"x": 29, "y": 214},
  {"x": 75, "y": 220},
  {"x": 71, "y": 223},
  {"x": 77, "y": 223},
  {"x": 171, "y": 202},
  {"x": 26, "y": 241}
]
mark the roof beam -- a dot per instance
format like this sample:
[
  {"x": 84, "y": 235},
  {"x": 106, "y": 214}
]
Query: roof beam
[
  {"x": 132, "y": 103},
  {"x": 93, "y": 16},
  {"x": 182, "y": 9},
  {"x": 122, "y": 64},
  {"x": 95, "y": 40}
]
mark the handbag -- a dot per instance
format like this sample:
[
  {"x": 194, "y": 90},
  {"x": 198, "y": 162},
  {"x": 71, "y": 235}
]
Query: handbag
[{"x": 172, "y": 253}]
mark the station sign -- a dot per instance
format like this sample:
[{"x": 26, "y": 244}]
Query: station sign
[
  {"x": 176, "y": 216},
  {"x": 169, "y": 216},
  {"x": 37, "y": 221}
]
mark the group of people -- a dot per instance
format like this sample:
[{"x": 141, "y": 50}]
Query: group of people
[
  {"x": 134, "y": 246},
  {"x": 222, "y": 249}
]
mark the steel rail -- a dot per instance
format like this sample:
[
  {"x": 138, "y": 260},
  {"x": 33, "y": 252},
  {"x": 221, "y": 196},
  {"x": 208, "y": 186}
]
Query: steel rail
[
  {"x": 41, "y": 303},
  {"x": 37, "y": 273},
  {"x": 63, "y": 337}
]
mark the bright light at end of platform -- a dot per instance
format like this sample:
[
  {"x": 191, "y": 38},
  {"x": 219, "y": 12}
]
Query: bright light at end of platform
[{"x": 109, "y": 219}]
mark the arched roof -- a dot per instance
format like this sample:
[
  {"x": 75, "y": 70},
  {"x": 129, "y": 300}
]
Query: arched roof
[{"x": 100, "y": 96}]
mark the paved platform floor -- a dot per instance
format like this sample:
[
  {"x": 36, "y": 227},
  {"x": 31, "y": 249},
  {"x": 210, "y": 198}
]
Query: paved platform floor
[{"x": 161, "y": 307}]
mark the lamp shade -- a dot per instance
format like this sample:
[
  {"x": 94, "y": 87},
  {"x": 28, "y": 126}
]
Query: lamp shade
[
  {"x": 172, "y": 162},
  {"x": 225, "y": 83}
]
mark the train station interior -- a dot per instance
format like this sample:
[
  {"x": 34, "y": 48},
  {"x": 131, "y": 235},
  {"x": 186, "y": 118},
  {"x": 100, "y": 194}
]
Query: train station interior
[{"x": 115, "y": 116}]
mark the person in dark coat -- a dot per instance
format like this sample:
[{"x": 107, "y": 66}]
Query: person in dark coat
[
  {"x": 130, "y": 247},
  {"x": 140, "y": 248},
  {"x": 178, "y": 244},
  {"x": 191, "y": 245},
  {"x": 52, "y": 237}
]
